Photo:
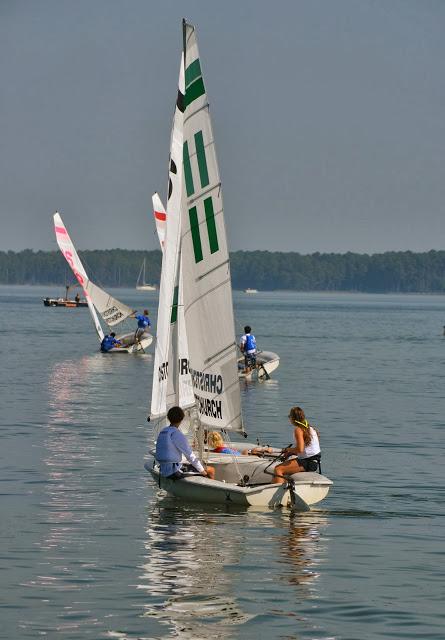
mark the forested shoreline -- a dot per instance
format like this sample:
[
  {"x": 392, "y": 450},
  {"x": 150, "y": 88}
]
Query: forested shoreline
[{"x": 390, "y": 272}]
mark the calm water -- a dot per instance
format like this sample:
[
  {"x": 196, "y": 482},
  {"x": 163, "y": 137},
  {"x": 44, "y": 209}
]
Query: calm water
[{"x": 90, "y": 549}]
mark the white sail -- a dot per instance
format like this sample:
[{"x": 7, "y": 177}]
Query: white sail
[
  {"x": 67, "y": 248},
  {"x": 111, "y": 310},
  {"x": 205, "y": 259},
  {"x": 160, "y": 216},
  {"x": 171, "y": 379}
]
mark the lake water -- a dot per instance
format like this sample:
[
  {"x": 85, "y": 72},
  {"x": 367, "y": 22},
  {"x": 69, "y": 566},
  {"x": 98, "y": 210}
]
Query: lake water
[{"x": 91, "y": 549}]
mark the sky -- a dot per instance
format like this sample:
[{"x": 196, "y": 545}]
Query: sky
[{"x": 329, "y": 120}]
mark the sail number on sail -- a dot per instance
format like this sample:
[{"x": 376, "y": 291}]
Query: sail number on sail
[{"x": 112, "y": 315}]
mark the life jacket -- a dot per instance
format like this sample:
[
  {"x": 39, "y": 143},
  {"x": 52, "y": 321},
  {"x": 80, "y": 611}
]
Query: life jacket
[
  {"x": 250, "y": 344},
  {"x": 107, "y": 343},
  {"x": 143, "y": 321},
  {"x": 225, "y": 449},
  {"x": 166, "y": 450}
]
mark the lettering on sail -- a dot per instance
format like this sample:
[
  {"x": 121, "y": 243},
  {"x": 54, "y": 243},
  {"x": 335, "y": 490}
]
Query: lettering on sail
[
  {"x": 207, "y": 382},
  {"x": 207, "y": 407},
  {"x": 210, "y": 382},
  {"x": 70, "y": 259},
  {"x": 163, "y": 371},
  {"x": 112, "y": 314}
]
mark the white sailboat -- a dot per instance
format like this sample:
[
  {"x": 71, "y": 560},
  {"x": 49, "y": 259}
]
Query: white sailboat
[
  {"x": 266, "y": 361},
  {"x": 141, "y": 285},
  {"x": 112, "y": 311},
  {"x": 196, "y": 352}
]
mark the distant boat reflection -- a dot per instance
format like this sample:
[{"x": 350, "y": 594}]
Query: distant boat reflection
[{"x": 70, "y": 447}]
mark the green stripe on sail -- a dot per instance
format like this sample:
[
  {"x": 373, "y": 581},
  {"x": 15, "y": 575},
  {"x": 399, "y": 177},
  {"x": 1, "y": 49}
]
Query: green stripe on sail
[
  {"x": 196, "y": 238},
  {"x": 192, "y": 72},
  {"x": 193, "y": 91},
  {"x": 202, "y": 162},
  {"x": 187, "y": 170},
  {"x": 211, "y": 225},
  {"x": 174, "y": 315}
]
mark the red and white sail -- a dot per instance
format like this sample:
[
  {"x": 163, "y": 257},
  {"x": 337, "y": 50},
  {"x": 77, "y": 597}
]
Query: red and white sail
[
  {"x": 111, "y": 310},
  {"x": 160, "y": 216}
]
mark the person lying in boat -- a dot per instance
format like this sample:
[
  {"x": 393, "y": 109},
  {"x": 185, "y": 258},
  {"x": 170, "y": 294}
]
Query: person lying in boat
[
  {"x": 248, "y": 348},
  {"x": 172, "y": 444},
  {"x": 143, "y": 324},
  {"x": 217, "y": 445},
  {"x": 307, "y": 448},
  {"x": 109, "y": 342}
]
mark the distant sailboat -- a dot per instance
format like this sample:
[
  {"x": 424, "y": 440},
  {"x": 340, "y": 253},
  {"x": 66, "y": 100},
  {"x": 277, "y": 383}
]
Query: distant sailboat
[
  {"x": 112, "y": 311},
  {"x": 141, "y": 285}
]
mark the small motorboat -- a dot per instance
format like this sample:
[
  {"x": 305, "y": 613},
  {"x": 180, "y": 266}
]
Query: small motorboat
[{"x": 66, "y": 302}]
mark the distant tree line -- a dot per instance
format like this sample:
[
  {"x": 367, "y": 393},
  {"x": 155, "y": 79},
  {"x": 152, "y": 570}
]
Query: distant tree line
[{"x": 402, "y": 271}]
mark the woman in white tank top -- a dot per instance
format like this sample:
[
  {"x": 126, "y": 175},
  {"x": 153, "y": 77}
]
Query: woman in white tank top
[{"x": 307, "y": 447}]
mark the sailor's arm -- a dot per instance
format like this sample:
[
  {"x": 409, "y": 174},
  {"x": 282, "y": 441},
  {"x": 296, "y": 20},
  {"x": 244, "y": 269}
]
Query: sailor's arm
[{"x": 182, "y": 444}]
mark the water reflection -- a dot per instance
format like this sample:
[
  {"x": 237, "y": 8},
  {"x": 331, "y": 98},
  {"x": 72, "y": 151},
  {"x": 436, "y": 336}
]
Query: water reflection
[
  {"x": 72, "y": 503},
  {"x": 186, "y": 570},
  {"x": 302, "y": 548},
  {"x": 207, "y": 570}
]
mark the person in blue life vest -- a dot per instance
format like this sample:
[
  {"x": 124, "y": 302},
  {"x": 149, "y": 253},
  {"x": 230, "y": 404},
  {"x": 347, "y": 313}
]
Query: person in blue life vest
[
  {"x": 172, "y": 444},
  {"x": 217, "y": 445},
  {"x": 307, "y": 448},
  {"x": 248, "y": 348},
  {"x": 143, "y": 324},
  {"x": 109, "y": 342}
]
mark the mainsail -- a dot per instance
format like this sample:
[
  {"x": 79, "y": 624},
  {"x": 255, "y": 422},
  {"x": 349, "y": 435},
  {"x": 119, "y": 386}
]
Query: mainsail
[
  {"x": 67, "y": 248},
  {"x": 205, "y": 264},
  {"x": 111, "y": 310},
  {"x": 171, "y": 379}
]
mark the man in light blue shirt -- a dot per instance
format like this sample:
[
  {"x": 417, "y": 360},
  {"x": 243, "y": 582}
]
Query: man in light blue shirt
[{"x": 172, "y": 444}]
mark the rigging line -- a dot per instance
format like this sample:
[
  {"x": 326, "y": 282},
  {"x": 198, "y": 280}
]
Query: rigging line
[
  {"x": 219, "y": 353},
  {"x": 203, "y": 193},
  {"x": 218, "y": 266},
  {"x": 203, "y": 295},
  {"x": 206, "y": 105}
]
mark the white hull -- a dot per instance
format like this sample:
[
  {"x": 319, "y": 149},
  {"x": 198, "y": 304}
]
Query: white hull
[
  {"x": 146, "y": 287},
  {"x": 267, "y": 362},
  {"x": 133, "y": 347},
  {"x": 310, "y": 488}
]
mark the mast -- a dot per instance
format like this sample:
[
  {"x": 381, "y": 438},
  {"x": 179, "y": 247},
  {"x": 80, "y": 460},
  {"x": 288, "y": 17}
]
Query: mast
[{"x": 207, "y": 291}]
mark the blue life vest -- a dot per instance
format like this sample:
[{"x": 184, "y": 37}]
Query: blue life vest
[
  {"x": 107, "y": 344},
  {"x": 166, "y": 449},
  {"x": 250, "y": 344},
  {"x": 143, "y": 321}
]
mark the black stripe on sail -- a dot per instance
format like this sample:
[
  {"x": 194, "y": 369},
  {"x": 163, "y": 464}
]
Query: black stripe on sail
[
  {"x": 180, "y": 102},
  {"x": 173, "y": 168}
]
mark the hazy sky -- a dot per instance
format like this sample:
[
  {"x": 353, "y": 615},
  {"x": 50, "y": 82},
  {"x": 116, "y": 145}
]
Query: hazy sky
[{"x": 329, "y": 119}]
